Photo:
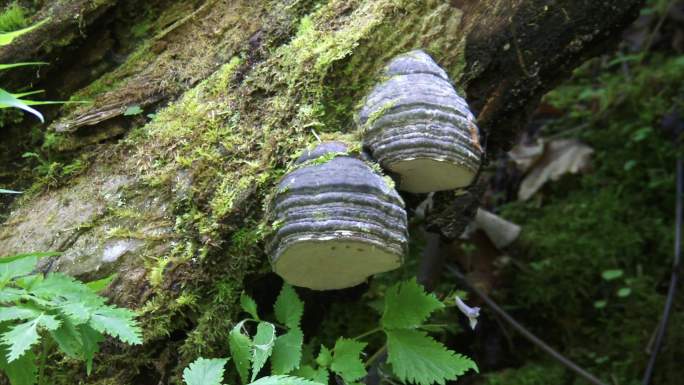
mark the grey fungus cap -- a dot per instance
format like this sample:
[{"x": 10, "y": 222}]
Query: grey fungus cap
[
  {"x": 418, "y": 127},
  {"x": 336, "y": 221}
]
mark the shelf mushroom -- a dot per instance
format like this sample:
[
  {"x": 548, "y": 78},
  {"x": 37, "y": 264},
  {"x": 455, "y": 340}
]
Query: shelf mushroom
[
  {"x": 336, "y": 221},
  {"x": 419, "y": 128}
]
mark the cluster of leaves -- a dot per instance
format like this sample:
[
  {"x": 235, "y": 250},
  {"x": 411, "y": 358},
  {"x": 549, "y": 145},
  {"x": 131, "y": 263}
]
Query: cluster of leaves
[
  {"x": 71, "y": 313},
  {"x": 413, "y": 355},
  {"x": 17, "y": 100}
]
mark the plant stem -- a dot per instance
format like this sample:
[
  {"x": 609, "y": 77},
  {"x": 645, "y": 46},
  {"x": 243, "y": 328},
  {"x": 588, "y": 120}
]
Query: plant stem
[
  {"x": 376, "y": 355},
  {"x": 366, "y": 334},
  {"x": 43, "y": 359}
]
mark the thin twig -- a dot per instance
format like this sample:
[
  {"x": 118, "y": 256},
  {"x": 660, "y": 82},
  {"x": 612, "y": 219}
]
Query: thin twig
[
  {"x": 527, "y": 334},
  {"x": 662, "y": 326}
]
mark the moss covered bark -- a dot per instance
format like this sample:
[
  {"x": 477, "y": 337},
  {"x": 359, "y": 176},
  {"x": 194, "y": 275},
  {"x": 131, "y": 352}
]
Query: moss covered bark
[{"x": 173, "y": 201}]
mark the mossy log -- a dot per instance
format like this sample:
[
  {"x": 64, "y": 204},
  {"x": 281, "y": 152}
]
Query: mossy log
[{"x": 170, "y": 195}]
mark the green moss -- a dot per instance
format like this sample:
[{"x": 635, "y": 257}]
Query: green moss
[{"x": 13, "y": 18}]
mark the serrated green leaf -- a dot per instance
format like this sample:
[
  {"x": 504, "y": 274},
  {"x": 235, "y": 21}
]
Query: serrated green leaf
[
  {"x": 324, "y": 358},
  {"x": 61, "y": 285},
  {"x": 91, "y": 339},
  {"x": 407, "y": 305},
  {"x": 21, "y": 337},
  {"x": 241, "y": 350},
  {"x": 11, "y": 295},
  {"x": 346, "y": 360},
  {"x": 205, "y": 371},
  {"x": 18, "y": 313},
  {"x": 417, "y": 358},
  {"x": 287, "y": 352},
  {"x": 320, "y": 375},
  {"x": 77, "y": 312},
  {"x": 249, "y": 305},
  {"x": 288, "y": 307},
  {"x": 118, "y": 323},
  {"x": 22, "y": 371},
  {"x": 68, "y": 339},
  {"x": 262, "y": 346},
  {"x": 283, "y": 380}
]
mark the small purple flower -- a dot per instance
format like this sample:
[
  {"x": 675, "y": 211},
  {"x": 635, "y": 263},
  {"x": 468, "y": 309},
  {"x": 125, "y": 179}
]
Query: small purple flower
[{"x": 471, "y": 312}]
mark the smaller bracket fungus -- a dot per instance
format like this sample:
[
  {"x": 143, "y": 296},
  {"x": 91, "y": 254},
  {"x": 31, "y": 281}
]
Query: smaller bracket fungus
[
  {"x": 336, "y": 221},
  {"x": 419, "y": 128}
]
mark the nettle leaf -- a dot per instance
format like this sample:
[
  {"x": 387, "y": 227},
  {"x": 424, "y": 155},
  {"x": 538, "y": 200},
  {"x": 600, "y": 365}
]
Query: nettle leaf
[
  {"x": 68, "y": 339},
  {"x": 407, "y": 305},
  {"x": 205, "y": 371},
  {"x": 11, "y": 295},
  {"x": 288, "y": 307},
  {"x": 287, "y": 352},
  {"x": 18, "y": 313},
  {"x": 21, "y": 337},
  {"x": 249, "y": 305},
  {"x": 346, "y": 360},
  {"x": 320, "y": 375},
  {"x": 263, "y": 342},
  {"x": 324, "y": 358},
  {"x": 417, "y": 358},
  {"x": 241, "y": 351},
  {"x": 91, "y": 339},
  {"x": 22, "y": 371},
  {"x": 118, "y": 323},
  {"x": 61, "y": 285},
  {"x": 283, "y": 380}
]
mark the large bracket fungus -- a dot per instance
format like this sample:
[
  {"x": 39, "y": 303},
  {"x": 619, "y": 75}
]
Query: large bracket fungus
[
  {"x": 419, "y": 128},
  {"x": 336, "y": 221}
]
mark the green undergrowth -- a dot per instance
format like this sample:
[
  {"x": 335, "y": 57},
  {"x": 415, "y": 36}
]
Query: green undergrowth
[{"x": 596, "y": 249}]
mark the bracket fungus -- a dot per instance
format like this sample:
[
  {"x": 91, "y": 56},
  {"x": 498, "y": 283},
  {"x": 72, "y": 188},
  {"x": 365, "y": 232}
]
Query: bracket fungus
[
  {"x": 418, "y": 127},
  {"x": 336, "y": 221}
]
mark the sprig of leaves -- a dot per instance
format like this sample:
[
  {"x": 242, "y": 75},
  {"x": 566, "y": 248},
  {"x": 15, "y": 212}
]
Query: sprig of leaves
[
  {"x": 415, "y": 357},
  {"x": 71, "y": 313}
]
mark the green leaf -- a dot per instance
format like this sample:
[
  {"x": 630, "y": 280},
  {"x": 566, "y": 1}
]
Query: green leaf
[
  {"x": 262, "y": 346},
  {"x": 407, "y": 305},
  {"x": 205, "y": 371},
  {"x": 13, "y": 258},
  {"x": 22, "y": 371},
  {"x": 17, "y": 268},
  {"x": 288, "y": 307},
  {"x": 100, "y": 284},
  {"x": 624, "y": 292},
  {"x": 77, "y": 312},
  {"x": 324, "y": 358},
  {"x": 68, "y": 339},
  {"x": 7, "y": 37},
  {"x": 15, "y": 65},
  {"x": 346, "y": 359},
  {"x": 10, "y": 294},
  {"x": 610, "y": 275},
  {"x": 249, "y": 306},
  {"x": 3, "y": 191},
  {"x": 287, "y": 352},
  {"x": 18, "y": 313},
  {"x": 91, "y": 339},
  {"x": 21, "y": 337},
  {"x": 117, "y": 322},
  {"x": 133, "y": 110},
  {"x": 9, "y": 100},
  {"x": 283, "y": 380},
  {"x": 417, "y": 358},
  {"x": 241, "y": 351},
  {"x": 317, "y": 375},
  {"x": 600, "y": 304}
]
